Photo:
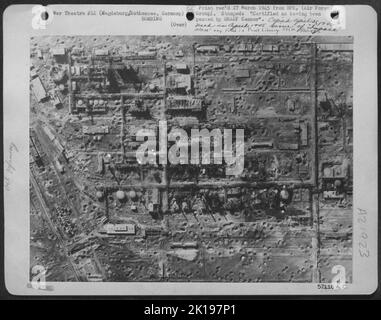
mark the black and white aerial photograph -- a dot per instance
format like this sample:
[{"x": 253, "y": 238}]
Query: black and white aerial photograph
[{"x": 191, "y": 158}]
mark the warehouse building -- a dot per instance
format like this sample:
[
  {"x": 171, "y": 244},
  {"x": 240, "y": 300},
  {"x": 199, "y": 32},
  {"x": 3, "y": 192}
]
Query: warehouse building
[{"x": 39, "y": 89}]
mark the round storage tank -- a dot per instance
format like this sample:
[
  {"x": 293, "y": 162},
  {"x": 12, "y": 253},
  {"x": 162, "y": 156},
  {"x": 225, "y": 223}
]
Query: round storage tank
[{"x": 120, "y": 195}]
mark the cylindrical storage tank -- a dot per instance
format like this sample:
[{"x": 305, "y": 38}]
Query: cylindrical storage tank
[
  {"x": 337, "y": 183},
  {"x": 99, "y": 195},
  {"x": 132, "y": 194},
  {"x": 120, "y": 195},
  {"x": 284, "y": 194}
]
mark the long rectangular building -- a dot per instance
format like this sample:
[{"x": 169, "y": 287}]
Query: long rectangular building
[{"x": 38, "y": 89}]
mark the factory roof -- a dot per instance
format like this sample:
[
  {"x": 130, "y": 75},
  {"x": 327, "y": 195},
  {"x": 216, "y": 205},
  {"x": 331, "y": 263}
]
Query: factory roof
[
  {"x": 181, "y": 66},
  {"x": 58, "y": 51},
  {"x": 38, "y": 89},
  {"x": 204, "y": 48},
  {"x": 242, "y": 73},
  {"x": 101, "y": 52},
  {"x": 122, "y": 228}
]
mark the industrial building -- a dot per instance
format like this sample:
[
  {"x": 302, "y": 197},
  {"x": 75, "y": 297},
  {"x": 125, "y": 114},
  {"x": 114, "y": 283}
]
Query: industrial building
[{"x": 117, "y": 220}]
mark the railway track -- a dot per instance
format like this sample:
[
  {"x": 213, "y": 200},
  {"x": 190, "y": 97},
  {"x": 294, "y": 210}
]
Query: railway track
[{"x": 45, "y": 211}]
